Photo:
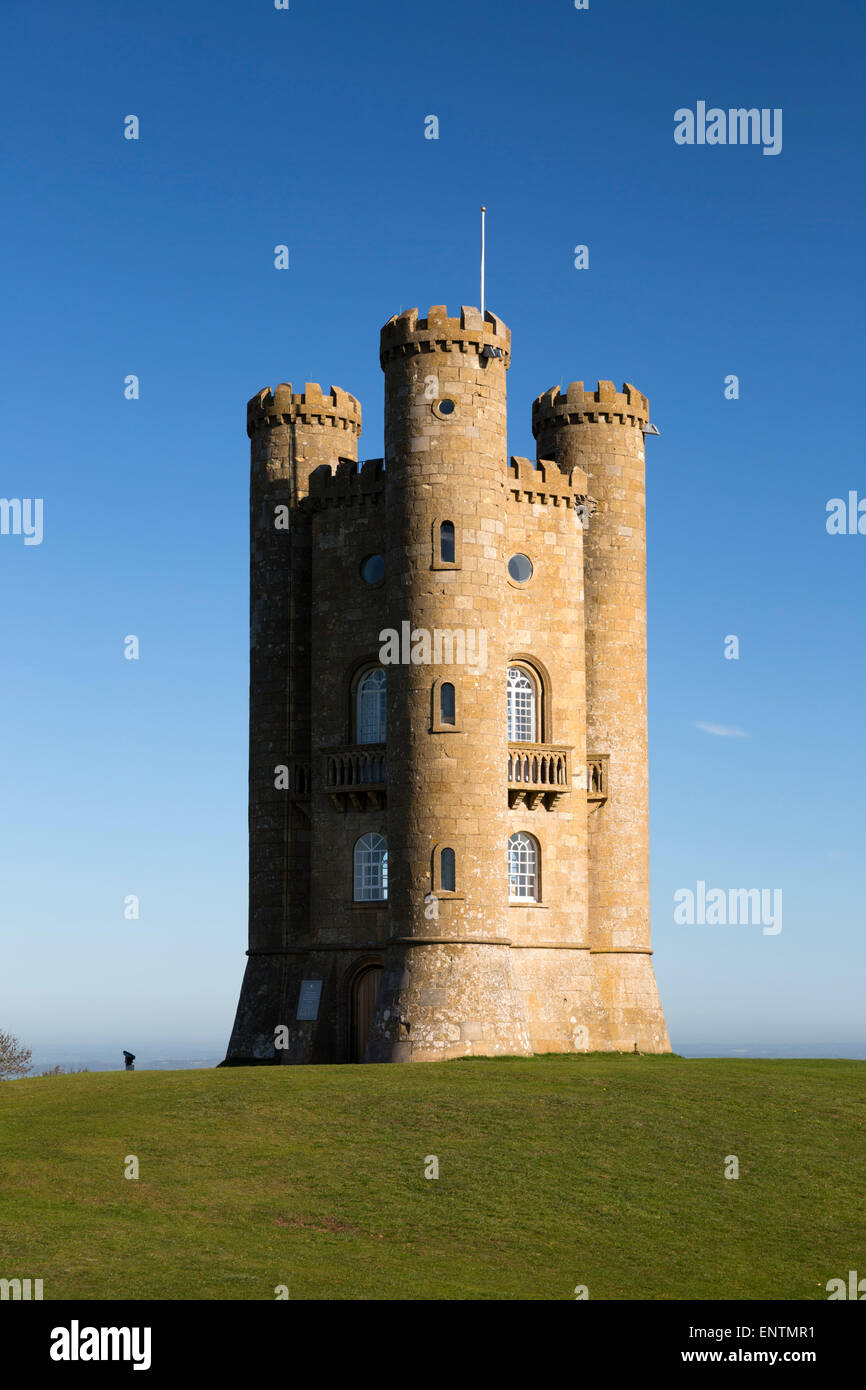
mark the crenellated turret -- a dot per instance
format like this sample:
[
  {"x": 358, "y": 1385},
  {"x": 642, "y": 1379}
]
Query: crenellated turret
[
  {"x": 601, "y": 432},
  {"x": 291, "y": 435},
  {"x": 448, "y": 979}
]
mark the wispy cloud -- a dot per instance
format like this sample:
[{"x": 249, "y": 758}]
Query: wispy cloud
[{"x": 721, "y": 730}]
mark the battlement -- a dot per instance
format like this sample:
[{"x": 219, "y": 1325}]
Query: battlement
[
  {"x": 279, "y": 406},
  {"x": 347, "y": 485},
  {"x": 405, "y": 333},
  {"x": 575, "y": 406},
  {"x": 546, "y": 483}
]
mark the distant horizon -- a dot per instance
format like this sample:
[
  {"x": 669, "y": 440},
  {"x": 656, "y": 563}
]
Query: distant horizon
[{"x": 159, "y": 1058}]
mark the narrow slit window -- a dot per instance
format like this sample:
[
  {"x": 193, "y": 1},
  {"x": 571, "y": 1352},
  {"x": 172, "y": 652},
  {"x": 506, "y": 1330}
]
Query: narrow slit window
[
  {"x": 448, "y": 871},
  {"x": 447, "y": 547},
  {"x": 446, "y": 703}
]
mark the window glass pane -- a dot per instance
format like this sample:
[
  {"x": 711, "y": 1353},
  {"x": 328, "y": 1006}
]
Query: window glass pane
[
  {"x": 522, "y": 868},
  {"x": 520, "y": 568},
  {"x": 522, "y": 702},
  {"x": 448, "y": 871},
  {"x": 373, "y": 569},
  {"x": 446, "y": 542},
  {"x": 371, "y": 869},
  {"x": 372, "y": 707},
  {"x": 446, "y": 703}
]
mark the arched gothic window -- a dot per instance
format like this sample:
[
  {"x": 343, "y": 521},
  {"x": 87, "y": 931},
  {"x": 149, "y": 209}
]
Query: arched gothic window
[
  {"x": 522, "y": 706},
  {"x": 523, "y": 865},
  {"x": 371, "y": 704}
]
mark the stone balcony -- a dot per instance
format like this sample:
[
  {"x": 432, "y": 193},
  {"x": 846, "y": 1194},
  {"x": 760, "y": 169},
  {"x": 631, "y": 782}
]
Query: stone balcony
[
  {"x": 356, "y": 776},
  {"x": 597, "y": 778},
  {"x": 538, "y": 772}
]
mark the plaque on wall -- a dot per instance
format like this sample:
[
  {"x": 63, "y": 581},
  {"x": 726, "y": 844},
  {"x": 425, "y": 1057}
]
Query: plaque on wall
[{"x": 308, "y": 1002}]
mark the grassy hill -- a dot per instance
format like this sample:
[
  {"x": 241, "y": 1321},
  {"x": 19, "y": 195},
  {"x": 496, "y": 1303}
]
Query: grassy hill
[{"x": 556, "y": 1171}]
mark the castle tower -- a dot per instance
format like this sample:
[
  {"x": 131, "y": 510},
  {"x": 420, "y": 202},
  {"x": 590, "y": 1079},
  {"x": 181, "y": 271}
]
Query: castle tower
[
  {"x": 602, "y": 433},
  {"x": 448, "y": 976},
  {"x": 290, "y": 435},
  {"x": 448, "y": 745}
]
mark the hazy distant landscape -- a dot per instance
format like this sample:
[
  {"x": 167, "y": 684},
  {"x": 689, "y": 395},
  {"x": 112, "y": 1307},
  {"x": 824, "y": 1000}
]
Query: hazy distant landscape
[
  {"x": 144, "y": 1061},
  {"x": 180, "y": 1059}
]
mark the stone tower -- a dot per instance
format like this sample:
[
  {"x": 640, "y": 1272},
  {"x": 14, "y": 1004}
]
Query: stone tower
[
  {"x": 448, "y": 753},
  {"x": 601, "y": 432}
]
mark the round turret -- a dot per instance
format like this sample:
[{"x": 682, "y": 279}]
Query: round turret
[
  {"x": 291, "y": 434},
  {"x": 601, "y": 432},
  {"x": 445, "y": 455}
]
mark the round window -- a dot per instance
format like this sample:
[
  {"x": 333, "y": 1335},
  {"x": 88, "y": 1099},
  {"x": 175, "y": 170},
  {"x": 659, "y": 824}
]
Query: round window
[
  {"x": 520, "y": 568},
  {"x": 446, "y": 407},
  {"x": 373, "y": 569}
]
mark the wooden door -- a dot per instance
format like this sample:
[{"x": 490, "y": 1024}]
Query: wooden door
[{"x": 365, "y": 990}]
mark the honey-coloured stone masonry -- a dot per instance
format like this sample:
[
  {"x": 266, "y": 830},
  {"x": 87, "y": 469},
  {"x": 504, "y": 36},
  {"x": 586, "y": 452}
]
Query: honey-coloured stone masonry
[{"x": 448, "y": 795}]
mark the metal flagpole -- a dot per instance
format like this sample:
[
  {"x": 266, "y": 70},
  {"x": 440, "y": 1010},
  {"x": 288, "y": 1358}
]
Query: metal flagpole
[{"x": 483, "y": 211}]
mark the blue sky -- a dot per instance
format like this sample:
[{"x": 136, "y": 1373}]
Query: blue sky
[{"x": 155, "y": 257}]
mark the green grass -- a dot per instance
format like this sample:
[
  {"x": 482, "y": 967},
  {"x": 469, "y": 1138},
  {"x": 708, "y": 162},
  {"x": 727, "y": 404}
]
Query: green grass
[{"x": 553, "y": 1171}]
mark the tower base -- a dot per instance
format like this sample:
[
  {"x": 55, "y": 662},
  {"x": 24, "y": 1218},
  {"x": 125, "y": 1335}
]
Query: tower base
[
  {"x": 631, "y": 1001},
  {"x": 442, "y": 999}
]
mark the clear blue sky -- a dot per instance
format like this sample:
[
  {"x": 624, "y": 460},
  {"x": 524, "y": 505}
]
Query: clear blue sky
[{"x": 155, "y": 257}]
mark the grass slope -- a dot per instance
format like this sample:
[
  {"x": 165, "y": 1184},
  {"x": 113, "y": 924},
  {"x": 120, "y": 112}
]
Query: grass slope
[{"x": 554, "y": 1171}]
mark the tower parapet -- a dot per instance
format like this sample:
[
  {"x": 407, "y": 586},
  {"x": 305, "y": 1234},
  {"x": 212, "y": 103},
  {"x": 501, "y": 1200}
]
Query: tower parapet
[
  {"x": 347, "y": 485},
  {"x": 533, "y": 482},
  {"x": 576, "y": 406},
  {"x": 281, "y": 406},
  {"x": 406, "y": 333}
]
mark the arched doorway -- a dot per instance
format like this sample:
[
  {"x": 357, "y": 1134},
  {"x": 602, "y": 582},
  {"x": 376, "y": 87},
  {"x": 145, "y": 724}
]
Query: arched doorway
[{"x": 365, "y": 988}]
